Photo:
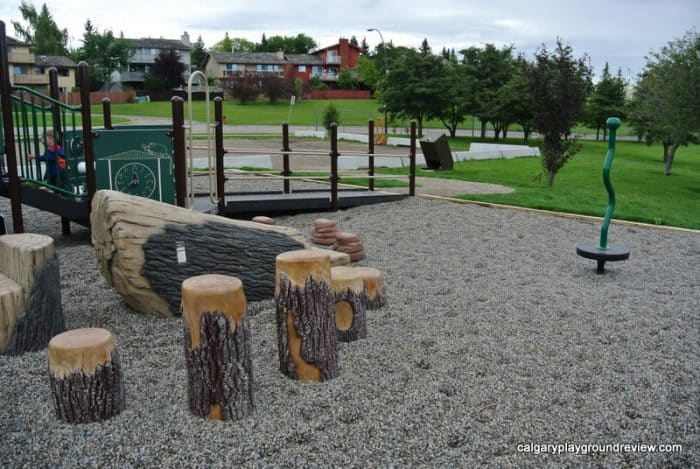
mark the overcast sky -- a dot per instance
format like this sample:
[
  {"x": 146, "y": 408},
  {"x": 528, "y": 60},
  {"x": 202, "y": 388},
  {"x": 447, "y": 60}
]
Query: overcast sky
[{"x": 620, "y": 32}]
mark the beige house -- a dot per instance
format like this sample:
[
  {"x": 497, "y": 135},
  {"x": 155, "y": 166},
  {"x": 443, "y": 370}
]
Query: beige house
[
  {"x": 223, "y": 64},
  {"x": 27, "y": 69}
]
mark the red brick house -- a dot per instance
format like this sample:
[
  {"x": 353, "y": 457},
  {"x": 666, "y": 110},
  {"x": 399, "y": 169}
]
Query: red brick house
[{"x": 338, "y": 57}]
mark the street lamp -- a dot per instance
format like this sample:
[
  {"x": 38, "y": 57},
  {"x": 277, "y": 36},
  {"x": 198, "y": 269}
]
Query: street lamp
[{"x": 386, "y": 73}]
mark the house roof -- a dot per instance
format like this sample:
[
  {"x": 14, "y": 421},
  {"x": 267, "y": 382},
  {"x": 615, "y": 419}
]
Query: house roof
[
  {"x": 336, "y": 46},
  {"x": 247, "y": 57},
  {"x": 15, "y": 42},
  {"x": 304, "y": 59},
  {"x": 159, "y": 43},
  {"x": 54, "y": 61}
]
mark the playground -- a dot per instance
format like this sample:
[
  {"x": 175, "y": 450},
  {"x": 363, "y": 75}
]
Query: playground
[{"x": 495, "y": 334}]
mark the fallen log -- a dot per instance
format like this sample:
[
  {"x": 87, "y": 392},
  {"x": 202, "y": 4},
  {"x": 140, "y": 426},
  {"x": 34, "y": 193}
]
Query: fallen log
[{"x": 146, "y": 249}]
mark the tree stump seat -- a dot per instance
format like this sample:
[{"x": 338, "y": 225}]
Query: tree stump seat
[
  {"x": 305, "y": 306},
  {"x": 374, "y": 295},
  {"x": 220, "y": 382},
  {"x": 85, "y": 375},
  {"x": 30, "y": 293},
  {"x": 348, "y": 290}
]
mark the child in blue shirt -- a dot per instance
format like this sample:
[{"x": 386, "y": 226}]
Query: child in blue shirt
[{"x": 55, "y": 158}]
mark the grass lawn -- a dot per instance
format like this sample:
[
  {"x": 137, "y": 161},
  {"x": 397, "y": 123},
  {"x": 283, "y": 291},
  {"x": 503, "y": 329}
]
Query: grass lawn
[
  {"x": 304, "y": 112},
  {"x": 642, "y": 192}
]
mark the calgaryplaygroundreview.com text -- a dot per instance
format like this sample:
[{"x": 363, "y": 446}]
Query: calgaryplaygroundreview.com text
[{"x": 584, "y": 448}]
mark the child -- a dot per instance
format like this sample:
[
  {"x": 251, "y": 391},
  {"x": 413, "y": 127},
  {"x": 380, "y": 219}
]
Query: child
[{"x": 55, "y": 159}]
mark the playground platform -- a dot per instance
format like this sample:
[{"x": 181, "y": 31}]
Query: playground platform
[{"x": 246, "y": 205}]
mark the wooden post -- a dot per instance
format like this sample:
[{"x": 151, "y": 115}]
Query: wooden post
[
  {"x": 286, "y": 172},
  {"x": 85, "y": 374},
  {"x": 349, "y": 307},
  {"x": 370, "y": 150},
  {"x": 334, "y": 167},
  {"x": 107, "y": 113},
  {"x": 9, "y": 135},
  {"x": 373, "y": 285},
  {"x": 220, "y": 382},
  {"x": 86, "y": 116},
  {"x": 305, "y": 307},
  {"x": 412, "y": 161},
  {"x": 178, "y": 134}
]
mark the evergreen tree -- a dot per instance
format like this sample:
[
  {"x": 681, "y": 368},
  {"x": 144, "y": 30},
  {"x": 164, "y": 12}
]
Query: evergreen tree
[
  {"x": 41, "y": 31},
  {"x": 198, "y": 53},
  {"x": 607, "y": 100}
]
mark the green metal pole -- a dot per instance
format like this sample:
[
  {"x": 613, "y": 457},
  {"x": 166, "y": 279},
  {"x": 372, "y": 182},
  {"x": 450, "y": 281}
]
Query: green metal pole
[{"x": 613, "y": 123}]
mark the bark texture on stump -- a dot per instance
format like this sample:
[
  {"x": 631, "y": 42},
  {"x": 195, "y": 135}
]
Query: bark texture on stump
[
  {"x": 85, "y": 375},
  {"x": 374, "y": 296},
  {"x": 30, "y": 293},
  {"x": 305, "y": 306},
  {"x": 348, "y": 290},
  {"x": 220, "y": 382}
]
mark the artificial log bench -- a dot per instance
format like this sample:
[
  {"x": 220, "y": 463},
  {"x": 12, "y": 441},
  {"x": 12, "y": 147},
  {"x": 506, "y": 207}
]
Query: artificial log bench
[
  {"x": 305, "y": 311},
  {"x": 348, "y": 290},
  {"x": 30, "y": 293},
  {"x": 220, "y": 382},
  {"x": 86, "y": 377},
  {"x": 146, "y": 249}
]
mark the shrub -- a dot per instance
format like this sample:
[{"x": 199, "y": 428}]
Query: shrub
[
  {"x": 316, "y": 83},
  {"x": 244, "y": 87},
  {"x": 275, "y": 87},
  {"x": 330, "y": 115},
  {"x": 345, "y": 80},
  {"x": 153, "y": 83}
]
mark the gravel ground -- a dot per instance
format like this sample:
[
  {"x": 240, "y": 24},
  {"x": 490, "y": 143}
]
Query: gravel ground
[{"x": 495, "y": 335}]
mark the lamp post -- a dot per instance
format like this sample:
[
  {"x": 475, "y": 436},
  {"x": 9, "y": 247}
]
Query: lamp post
[{"x": 386, "y": 73}]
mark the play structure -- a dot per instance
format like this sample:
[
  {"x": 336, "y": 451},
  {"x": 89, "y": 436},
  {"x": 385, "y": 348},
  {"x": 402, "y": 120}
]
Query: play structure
[
  {"x": 602, "y": 251},
  {"x": 155, "y": 162}
]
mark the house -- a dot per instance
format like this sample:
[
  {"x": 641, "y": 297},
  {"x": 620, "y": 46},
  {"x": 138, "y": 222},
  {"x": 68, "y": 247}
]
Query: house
[
  {"x": 338, "y": 57},
  {"x": 304, "y": 66},
  {"x": 224, "y": 64},
  {"x": 27, "y": 69},
  {"x": 326, "y": 63},
  {"x": 146, "y": 50}
]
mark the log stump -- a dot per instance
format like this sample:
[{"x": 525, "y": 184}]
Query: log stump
[
  {"x": 374, "y": 293},
  {"x": 30, "y": 293},
  {"x": 305, "y": 310},
  {"x": 86, "y": 376},
  {"x": 348, "y": 290},
  {"x": 220, "y": 382}
]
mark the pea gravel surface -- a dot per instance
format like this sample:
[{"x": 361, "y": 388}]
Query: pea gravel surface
[{"x": 497, "y": 339}]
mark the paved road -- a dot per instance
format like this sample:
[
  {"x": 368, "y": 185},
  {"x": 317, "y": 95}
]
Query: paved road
[{"x": 432, "y": 133}]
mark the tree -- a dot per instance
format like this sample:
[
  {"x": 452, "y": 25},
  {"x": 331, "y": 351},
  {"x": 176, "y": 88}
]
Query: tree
[
  {"x": 413, "y": 88},
  {"x": 491, "y": 68},
  {"x": 330, "y": 115},
  {"x": 667, "y": 98},
  {"x": 240, "y": 44},
  {"x": 275, "y": 87},
  {"x": 299, "y": 44},
  {"x": 559, "y": 84},
  {"x": 168, "y": 67},
  {"x": 245, "y": 87},
  {"x": 607, "y": 100},
  {"x": 224, "y": 45},
  {"x": 104, "y": 54},
  {"x": 41, "y": 31},
  {"x": 368, "y": 72},
  {"x": 457, "y": 96},
  {"x": 511, "y": 102},
  {"x": 198, "y": 53},
  {"x": 345, "y": 80},
  {"x": 353, "y": 41}
]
